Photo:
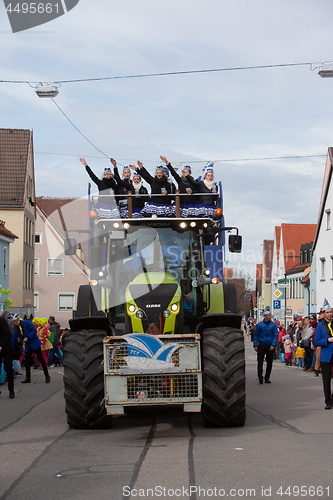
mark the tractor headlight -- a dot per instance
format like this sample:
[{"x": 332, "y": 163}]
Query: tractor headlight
[
  {"x": 131, "y": 308},
  {"x": 166, "y": 314},
  {"x": 174, "y": 307},
  {"x": 140, "y": 314}
]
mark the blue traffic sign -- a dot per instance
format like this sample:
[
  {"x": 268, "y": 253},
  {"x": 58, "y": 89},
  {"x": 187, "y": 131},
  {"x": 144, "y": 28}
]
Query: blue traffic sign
[{"x": 276, "y": 304}]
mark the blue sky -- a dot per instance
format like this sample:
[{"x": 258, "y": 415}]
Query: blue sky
[{"x": 228, "y": 115}]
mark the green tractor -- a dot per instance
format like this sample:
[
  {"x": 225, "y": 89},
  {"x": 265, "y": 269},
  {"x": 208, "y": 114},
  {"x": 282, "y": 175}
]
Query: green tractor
[{"x": 156, "y": 325}]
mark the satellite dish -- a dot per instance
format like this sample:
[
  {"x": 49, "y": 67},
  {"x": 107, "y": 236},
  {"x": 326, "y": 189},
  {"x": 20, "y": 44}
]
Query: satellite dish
[{"x": 47, "y": 90}]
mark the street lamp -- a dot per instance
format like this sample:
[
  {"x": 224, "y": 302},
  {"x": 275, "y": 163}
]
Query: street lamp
[
  {"x": 47, "y": 90},
  {"x": 326, "y": 70}
]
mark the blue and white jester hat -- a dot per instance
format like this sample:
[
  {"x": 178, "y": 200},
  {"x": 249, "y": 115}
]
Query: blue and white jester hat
[
  {"x": 326, "y": 306},
  {"x": 107, "y": 169},
  {"x": 208, "y": 168},
  {"x": 267, "y": 310},
  {"x": 126, "y": 168}
]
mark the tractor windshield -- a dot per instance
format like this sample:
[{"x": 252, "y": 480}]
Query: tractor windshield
[{"x": 166, "y": 252}]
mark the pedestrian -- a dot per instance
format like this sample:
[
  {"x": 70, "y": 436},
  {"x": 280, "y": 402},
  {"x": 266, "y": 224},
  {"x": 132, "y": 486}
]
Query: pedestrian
[
  {"x": 55, "y": 329},
  {"x": 307, "y": 332},
  {"x": 288, "y": 350},
  {"x": 300, "y": 353},
  {"x": 6, "y": 354},
  {"x": 324, "y": 339},
  {"x": 282, "y": 333},
  {"x": 26, "y": 330},
  {"x": 45, "y": 338},
  {"x": 296, "y": 330},
  {"x": 264, "y": 342}
]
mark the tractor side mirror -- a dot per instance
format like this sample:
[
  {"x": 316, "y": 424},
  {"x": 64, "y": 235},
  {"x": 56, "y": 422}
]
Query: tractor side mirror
[
  {"x": 70, "y": 246},
  {"x": 235, "y": 243}
]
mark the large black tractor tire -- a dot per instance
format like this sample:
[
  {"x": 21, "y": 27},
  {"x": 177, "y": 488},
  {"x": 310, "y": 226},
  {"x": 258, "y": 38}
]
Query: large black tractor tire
[
  {"x": 84, "y": 380},
  {"x": 223, "y": 378}
]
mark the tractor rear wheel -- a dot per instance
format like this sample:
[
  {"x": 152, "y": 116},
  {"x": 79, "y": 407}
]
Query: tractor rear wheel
[
  {"x": 84, "y": 380},
  {"x": 223, "y": 377}
]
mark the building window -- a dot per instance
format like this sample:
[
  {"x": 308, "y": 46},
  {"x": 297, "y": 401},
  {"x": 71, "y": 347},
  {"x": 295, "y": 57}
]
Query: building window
[
  {"x": 55, "y": 267},
  {"x": 328, "y": 219},
  {"x": 36, "y": 271},
  {"x": 5, "y": 261},
  {"x": 313, "y": 297},
  {"x": 66, "y": 301},
  {"x": 36, "y": 301},
  {"x": 38, "y": 238},
  {"x": 322, "y": 268}
]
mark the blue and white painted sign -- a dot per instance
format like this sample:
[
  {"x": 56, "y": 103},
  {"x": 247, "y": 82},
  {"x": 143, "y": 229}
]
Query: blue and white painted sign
[{"x": 147, "y": 351}]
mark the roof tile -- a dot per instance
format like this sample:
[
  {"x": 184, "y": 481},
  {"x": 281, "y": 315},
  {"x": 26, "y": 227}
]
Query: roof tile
[{"x": 14, "y": 145}]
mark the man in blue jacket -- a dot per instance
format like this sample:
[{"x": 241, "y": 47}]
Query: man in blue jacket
[
  {"x": 324, "y": 339},
  {"x": 27, "y": 332},
  {"x": 264, "y": 342}
]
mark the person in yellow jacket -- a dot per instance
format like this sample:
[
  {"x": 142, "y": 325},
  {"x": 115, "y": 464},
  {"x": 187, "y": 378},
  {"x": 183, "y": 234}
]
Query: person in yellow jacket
[{"x": 300, "y": 353}]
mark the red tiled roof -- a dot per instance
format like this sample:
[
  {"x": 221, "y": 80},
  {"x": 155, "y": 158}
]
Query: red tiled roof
[
  {"x": 5, "y": 231},
  {"x": 268, "y": 259},
  {"x": 297, "y": 268},
  {"x": 294, "y": 235},
  {"x": 14, "y": 148}
]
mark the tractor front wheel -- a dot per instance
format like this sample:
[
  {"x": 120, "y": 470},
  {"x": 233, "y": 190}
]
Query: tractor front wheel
[
  {"x": 84, "y": 380},
  {"x": 223, "y": 377}
]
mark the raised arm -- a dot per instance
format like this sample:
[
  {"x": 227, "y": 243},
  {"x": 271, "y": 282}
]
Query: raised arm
[
  {"x": 144, "y": 173},
  {"x": 91, "y": 174}
]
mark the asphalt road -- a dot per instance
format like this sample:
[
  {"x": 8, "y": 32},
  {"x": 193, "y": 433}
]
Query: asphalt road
[{"x": 286, "y": 442}]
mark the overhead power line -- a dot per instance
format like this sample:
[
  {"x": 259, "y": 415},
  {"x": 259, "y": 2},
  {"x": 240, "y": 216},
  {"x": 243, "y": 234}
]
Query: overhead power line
[
  {"x": 290, "y": 157},
  {"x": 172, "y": 73}
]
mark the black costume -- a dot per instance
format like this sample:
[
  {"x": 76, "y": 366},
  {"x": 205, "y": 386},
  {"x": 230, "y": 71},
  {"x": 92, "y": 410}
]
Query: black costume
[
  {"x": 205, "y": 207},
  {"x": 138, "y": 201},
  {"x": 106, "y": 205},
  {"x": 6, "y": 354},
  {"x": 159, "y": 205},
  {"x": 186, "y": 202}
]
